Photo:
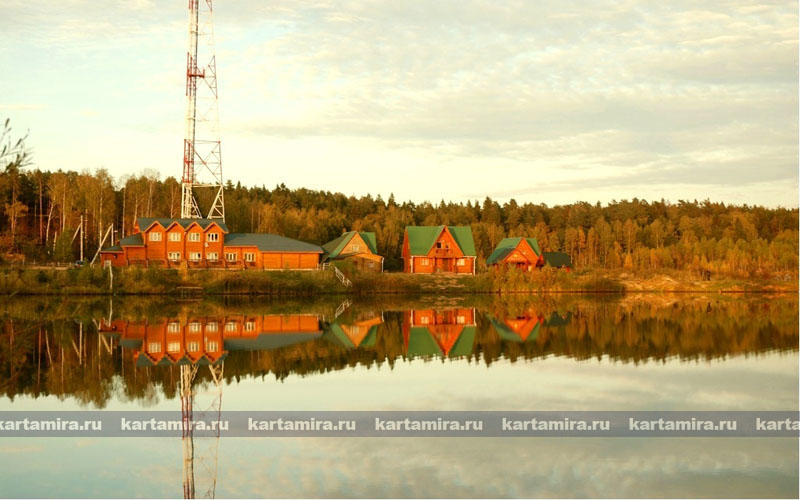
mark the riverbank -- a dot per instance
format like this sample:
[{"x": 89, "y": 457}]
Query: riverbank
[{"x": 154, "y": 281}]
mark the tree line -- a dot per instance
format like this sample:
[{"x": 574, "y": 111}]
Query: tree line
[{"x": 43, "y": 209}]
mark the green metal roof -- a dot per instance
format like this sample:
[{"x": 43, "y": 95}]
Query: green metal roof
[
  {"x": 464, "y": 342},
  {"x": 145, "y": 222},
  {"x": 506, "y": 333},
  {"x": 334, "y": 248},
  {"x": 507, "y": 245},
  {"x": 422, "y": 343},
  {"x": 115, "y": 248},
  {"x": 557, "y": 259},
  {"x": 422, "y": 238},
  {"x": 270, "y": 243},
  {"x": 336, "y": 334}
]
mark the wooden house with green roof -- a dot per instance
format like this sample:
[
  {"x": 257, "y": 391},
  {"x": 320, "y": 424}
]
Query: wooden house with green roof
[
  {"x": 438, "y": 249},
  {"x": 522, "y": 253},
  {"x": 204, "y": 243},
  {"x": 357, "y": 247},
  {"x": 446, "y": 333}
]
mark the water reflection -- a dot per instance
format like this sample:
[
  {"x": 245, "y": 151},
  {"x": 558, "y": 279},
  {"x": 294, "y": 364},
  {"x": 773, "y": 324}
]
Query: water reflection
[
  {"x": 80, "y": 348},
  {"x": 134, "y": 352}
]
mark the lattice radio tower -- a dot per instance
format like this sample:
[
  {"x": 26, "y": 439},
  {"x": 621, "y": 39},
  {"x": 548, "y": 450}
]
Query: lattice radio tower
[{"x": 202, "y": 153}]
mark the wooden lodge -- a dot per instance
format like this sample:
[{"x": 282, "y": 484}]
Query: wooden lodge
[
  {"x": 208, "y": 340},
  {"x": 439, "y": 249},
  {"x": 206, "y": 243},
  {"x": 524, "y": 253},
  {"x": 357, "y": 247},
  {"x": 449, "y": 333}
]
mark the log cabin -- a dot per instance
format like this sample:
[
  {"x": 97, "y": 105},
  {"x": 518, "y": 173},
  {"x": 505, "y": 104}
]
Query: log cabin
[
  {"x": 438, "y": 249},
  {"x": 206, "y": 243},
  {"x": 521, "y": 253},
  {"x": 449, "y": 333},
  {"x": 357, "y": 247}
]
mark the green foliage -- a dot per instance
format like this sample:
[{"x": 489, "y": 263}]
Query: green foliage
[{"x": 699, "y": 237}]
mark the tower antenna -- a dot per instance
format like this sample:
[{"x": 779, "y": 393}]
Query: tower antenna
[{"x": 202, "y": 152}]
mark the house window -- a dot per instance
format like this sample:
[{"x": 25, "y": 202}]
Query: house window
[
  {"x": 230, "y": 326},
  {"x": 231, "y": 257},
  {"x": 212, "y": 346},
  {"x": 194, "y": 236},
  {"x": 154, "y": 347},
  {"x": 249, "y": 326},
  {"x": 155, "y": 236},
  {"x": 438, "y": 244},
  {"x": 174, "y": 236},
  {"x": 356, "y": 329},
  {"x": 460, "y": 262},
  {"x": 174, "y": 327},
  {"x": 213, "y": 237},
  {"x": 193, "y": 346},
  {"x": 356, "y": 247},
  {"x": 370, "y": 264},
  {"x": 423, "y": 262},
  {"x": 250, "y": 257},
  {"x": 211, "y": 326},
  {"x": 194, "y": 326},
  {"x": 461, "y": 320},
  {"x": 424, "y": 320},
  {"x": 173, "y": 347},
  {"x": 194, "y": 256},
  {"x": 174, "y": 256},
  {"x": 212, "y": 256}
]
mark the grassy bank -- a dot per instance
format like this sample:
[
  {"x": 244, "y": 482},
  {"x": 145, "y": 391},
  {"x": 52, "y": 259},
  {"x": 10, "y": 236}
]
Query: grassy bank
[{"x": 154, "y": 281}]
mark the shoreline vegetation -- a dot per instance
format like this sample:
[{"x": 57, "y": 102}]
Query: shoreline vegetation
[{"x": 157, "y": 281}]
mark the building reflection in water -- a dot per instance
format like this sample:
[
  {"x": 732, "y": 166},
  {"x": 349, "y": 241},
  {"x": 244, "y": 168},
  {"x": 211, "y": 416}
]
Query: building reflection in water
[
  {"x": 208, "y": 340},
  {"x": 430, "y": 332},
  {"x": 360, "y": 332}
]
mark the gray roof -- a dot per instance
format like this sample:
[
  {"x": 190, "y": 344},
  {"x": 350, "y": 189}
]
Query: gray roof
[
  {"x": 134, "y": 240},
  {"x": 145, "y": 222},
  {"x": 270, "y": 243}
]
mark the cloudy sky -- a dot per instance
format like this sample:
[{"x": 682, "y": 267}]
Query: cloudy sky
[{"x": 546, "y": 101}]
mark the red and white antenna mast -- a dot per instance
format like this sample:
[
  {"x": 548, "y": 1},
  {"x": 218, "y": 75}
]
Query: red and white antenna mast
[{"x": 202, "y": 153}]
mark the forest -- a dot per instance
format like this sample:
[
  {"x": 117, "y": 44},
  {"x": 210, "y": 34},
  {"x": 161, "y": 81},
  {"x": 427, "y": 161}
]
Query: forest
[{"x": 42, "y": 209}]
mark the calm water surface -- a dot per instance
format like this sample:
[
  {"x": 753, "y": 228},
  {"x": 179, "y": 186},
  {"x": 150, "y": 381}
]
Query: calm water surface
[{"x": 475, "y": 353}]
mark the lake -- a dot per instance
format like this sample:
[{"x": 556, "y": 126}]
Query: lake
[{"x": 481, "y": 353}]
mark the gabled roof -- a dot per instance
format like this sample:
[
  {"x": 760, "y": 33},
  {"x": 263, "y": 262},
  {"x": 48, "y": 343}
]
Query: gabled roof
[
  {"x": 146, "y": 222},
  {"x": 422, "y": 238},
  {"x": 144, "y": 360},
  {"x": 335, "y": 247},
  {"x": 507, "y": 245},
  {"x": 134, "y": 240},
  {"x": 338, "y": 336},
  {"x": 270, "y": 243},
  {"x": 557, "y": 259},
  {"x": 507, "y": 333},
  {"x": 421, "y": 342}
]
